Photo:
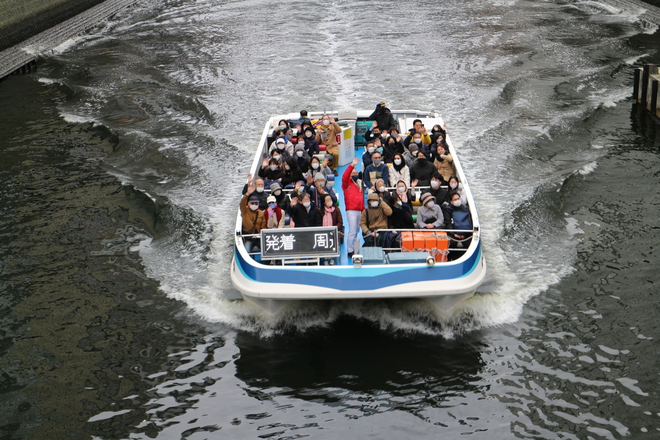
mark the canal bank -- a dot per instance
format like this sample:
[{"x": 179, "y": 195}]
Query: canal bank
[{"x": 31, "y": 28}]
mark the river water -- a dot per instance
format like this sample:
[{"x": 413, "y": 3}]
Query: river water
[{"x": 121, "y": 165}]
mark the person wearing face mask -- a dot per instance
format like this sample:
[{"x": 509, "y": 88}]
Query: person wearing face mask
[
  {"x": 402, "y": 216},
  {"x": 283, "y": 128},
  {"x": 383, "y": 117},
  {"x": 353, "y": 202},
  {"x": 317, "y": 188},
  {"x": 331, "y": 215},
  {"x": 423, "y": 170},
  {"x": 416, "y": 139},
  {"x": 373, "y": 218},
  {"x": 399, "y": 170},
  {"x": 456, "y": 186},
  {"x": 457, "y": 216},
  {"x": 270, "y": 171},
  {"x": 291, "y": 173},
  {"x": 418, "y": 127},
  {"x": 391, "y": 146},
  {"x": 253, "y": 220},
  {"x": 369, "y": 150},
  {"x": 410, "y": 156},
  {"x": 303, "y": 212},
  {"x": 273, "y": 214},
  {"x": 280, "y": 197},
  {"x": 311, "y": 143},
  {"x": 316, "y": 166},
  {"x": 373, "y": 133},
  {"x": 443, "y": 162},
  {"x": 326, "y": 134},
  {"x": 429, "y": 215},
  {"x": 437, "y": 190},
  {"x": 380, "y": 188},
  {"x": 302, "y": 158},
  {"x": 405, "y": 194},
  {"x": 281, "y": 146},
  {"x": 259, "y": 186},
  {"x": 377, "y": 170}
]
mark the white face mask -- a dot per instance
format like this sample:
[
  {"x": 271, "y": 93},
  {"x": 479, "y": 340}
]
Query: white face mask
[
  {"x": 326, "y": 122},
  {"x": 260, "y": 189},
  {"x": 381, "y": 188},
  {"x": 401, "y": 189},
  {"x": 430, "y": 204},
  {"x": 374, "y": 204},
  {"x": 273, "y": 167},
  {"x": 254, "y": 207},
  {"x": 418, "y": 140},
  {"x": 276, "y": 158},
  {"x": 306, "y": 204},
  {"x": 328, "y": 203},
  {"x": 371, "y": 149},
  {"x": 277, "y": 193},
  {"x": 453, "y": 185},
  {"x": 287, "y": 167},
  {"x": 300, "y": 153},
  {"x": 397, "y": 161},
  {"x": 315, "y": 165},
  {"x": 435, "y": 184},
  {"x": 456, "y": 203}
]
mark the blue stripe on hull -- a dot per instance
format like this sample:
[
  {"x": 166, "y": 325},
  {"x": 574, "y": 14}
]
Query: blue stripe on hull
[{"x": 350, "y": 278}]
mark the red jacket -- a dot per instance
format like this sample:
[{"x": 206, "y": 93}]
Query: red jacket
[{"x": 353, "y": 195}]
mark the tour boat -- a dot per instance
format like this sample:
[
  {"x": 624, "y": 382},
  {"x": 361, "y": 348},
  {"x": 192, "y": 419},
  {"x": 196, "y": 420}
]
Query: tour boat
[{"x": 309, "y": 264}]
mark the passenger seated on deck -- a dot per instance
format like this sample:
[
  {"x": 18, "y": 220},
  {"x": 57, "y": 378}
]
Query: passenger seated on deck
[
  {"x": 317, "y": 188},
  {"x": 410, "y": 156},
  {"x": 311, "y": 143},
  {"x": 381, "y": 189},
  {"x": 304, "y": 213},
  {"x": 326, "y": 134},
  {"x": 270, "y": 171},
  {"x": 281, "y": 145},
  {"x": 317, "y": 166},
  {"x": 259, "y": 186},
  {"x": 405, "y": 194},
  {"x": 418, "y": 127},
  {"x": 377, "y": 170},
  {"x": 456, "y": 186},
  {"x": 457, "y": 216},
  {"x": 331, "y": 215},
  {"x": 429, "y": 215},
  {"x": 438, "y": 140},
  {"x": 391, "y": 147},
  {"x": 437, "y": 191},
  {"x": 273, "y": 214},
  {"x": 292, "y": 173},
  {"x": 369, "y": 149},
  {"x": 373, "y": 133},
  {"x": 423, "y": 170},
  {"x": 281, "y": 198},
  {"x": 302, "y": 158},
  {"x": 443, "y": 162},
  {"x": 416, "y": 139},
  {"x": 402, "y": 214},
  {"x": 283, "y": 128},
  {"x": 253, "y": 220},
  {"x": 373, "y": 218},
  {"x": 399, "y": 170},
  {"x": 438, "y": 131},
  {"x": 353, "y": 201}
]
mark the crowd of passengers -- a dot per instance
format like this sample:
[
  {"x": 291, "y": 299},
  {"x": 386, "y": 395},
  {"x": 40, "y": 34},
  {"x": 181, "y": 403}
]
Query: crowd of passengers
[{"x": 296, "y": 181}]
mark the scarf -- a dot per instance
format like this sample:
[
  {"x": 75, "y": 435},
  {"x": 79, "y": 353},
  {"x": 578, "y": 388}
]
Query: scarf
[{"x": 327, "y": 216}]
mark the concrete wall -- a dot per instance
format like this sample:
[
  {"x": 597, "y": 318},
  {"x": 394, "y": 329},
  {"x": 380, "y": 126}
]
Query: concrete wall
[{"x": 22, "y": 19}]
